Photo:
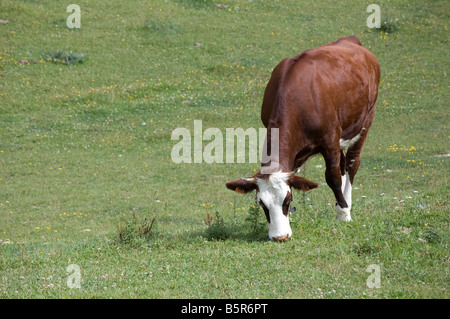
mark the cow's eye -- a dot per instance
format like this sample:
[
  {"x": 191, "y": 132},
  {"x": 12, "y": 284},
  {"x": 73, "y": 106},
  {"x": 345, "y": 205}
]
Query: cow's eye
[
  {"x": 266, "y": 211},
  {"x": 287, "y": 204}
]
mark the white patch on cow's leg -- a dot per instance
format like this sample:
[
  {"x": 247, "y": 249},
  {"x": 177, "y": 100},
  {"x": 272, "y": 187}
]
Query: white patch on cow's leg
[
  {"x": 343, "y": 182},
  {"x": 347, "y": 190},
  {"x": 343, "y": 214}
]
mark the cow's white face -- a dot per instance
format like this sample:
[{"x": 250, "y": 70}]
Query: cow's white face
[
  {"x": 275, "y": 196},
  {"x": 274, "y": 193}
]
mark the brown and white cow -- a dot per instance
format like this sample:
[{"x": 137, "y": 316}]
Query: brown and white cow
[{"x": 321, "y": 101}]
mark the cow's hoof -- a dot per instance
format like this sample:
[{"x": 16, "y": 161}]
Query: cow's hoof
[{"x": 343, "y": 214}]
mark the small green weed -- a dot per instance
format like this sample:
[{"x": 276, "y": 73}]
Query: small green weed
[
  {"x": 255, "y": 222},
  {"x": 135, "y": 232},
  {"x": 431, "y": 236},
  {"x": 67, "y": 58},
  {"x": 363, "y": 249},
  {"x": 389, "y": 26},
  {"x": 217, "y": 230}
]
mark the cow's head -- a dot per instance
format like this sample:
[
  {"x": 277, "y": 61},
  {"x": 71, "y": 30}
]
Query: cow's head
[{"x": 274, "y": 194}]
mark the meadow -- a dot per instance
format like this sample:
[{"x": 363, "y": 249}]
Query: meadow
[{"x": 86, "y": 176}]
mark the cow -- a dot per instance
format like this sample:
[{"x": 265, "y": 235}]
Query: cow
[{"x": 321, "y": 102}]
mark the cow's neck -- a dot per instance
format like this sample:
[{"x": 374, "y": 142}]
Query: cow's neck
[{"x": 288, "y": 148}]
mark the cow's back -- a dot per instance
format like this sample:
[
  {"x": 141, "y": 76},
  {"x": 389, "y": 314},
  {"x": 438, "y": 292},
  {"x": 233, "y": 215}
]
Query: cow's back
[{"x": 337, "y": 82}]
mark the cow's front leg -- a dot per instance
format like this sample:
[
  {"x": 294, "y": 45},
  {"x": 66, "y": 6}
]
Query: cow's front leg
[
  {"x": 347, "y": 189},
  {"x": 337, "y": 183},
  {"x": 346, "y": 184}
]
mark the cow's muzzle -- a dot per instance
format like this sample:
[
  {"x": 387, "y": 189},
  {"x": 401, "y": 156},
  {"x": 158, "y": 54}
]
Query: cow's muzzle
[{"x": 281, "y": 238}]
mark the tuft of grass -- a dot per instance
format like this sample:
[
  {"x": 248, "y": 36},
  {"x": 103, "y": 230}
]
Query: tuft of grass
[
  {"x": 431, "y": 236},
  {"x": 135, "y": 232},
  {"x": 196, "y": 4},
  {"x": 217, "y": 229},
  {"x": 389, "y": 26},
  {"x": 162, "y": 28},
  {"x": 364, "y": 249},
  {"x": 64, "y": 57}
]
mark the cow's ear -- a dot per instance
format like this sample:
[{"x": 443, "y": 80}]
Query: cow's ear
[
  {"x": 243, "y": 185},
  {"x": 301, "y": 183}
]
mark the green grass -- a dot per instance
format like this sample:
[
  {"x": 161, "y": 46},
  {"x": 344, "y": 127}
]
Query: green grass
[{"x": 85, "y": 153}]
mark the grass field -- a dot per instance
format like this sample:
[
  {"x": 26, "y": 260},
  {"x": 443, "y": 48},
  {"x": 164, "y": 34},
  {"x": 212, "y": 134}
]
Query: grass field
[{"x": 86, "y": 176}]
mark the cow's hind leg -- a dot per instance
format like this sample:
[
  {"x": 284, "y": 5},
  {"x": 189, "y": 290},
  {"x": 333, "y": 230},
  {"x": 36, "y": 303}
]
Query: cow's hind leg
[{"x": 333, "y": 161}]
